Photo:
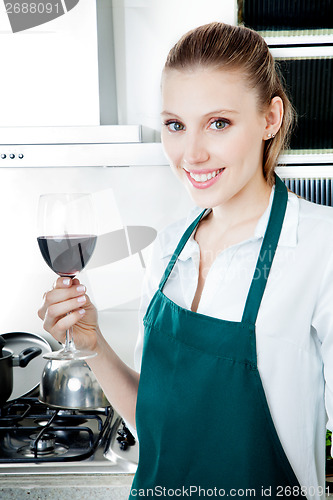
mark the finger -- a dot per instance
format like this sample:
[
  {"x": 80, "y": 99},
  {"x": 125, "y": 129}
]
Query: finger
[
  {"x": 65, "y": 282},
  {"x": 57, "y": 295},
  {"x": 62, "y": 294},
  {"x": 43, "y": 308},
  {"x": 58, "y": 330},
  {"x": 57, "y": 310}
]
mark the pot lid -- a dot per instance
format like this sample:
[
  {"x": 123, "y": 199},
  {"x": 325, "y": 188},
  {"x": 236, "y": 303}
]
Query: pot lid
[{"x": 28, "y": 378}]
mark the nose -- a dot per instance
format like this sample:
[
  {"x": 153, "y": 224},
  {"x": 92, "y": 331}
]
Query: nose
[{"x": 195, "y": 150}]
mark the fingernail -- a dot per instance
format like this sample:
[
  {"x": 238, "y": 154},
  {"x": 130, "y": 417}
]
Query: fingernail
[
  {"x": 82, "y": 311},
  {"x": 80, "y": 288},
  {"x": 66, "y": 281},
  {"x": 81, "y": 299}
]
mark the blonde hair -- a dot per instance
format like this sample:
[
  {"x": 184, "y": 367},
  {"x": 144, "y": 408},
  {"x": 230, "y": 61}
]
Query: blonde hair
[{"x": 223, "y": 46}]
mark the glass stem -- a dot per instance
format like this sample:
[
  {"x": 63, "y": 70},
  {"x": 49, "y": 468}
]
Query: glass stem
[{"x": 69, "y": 343}]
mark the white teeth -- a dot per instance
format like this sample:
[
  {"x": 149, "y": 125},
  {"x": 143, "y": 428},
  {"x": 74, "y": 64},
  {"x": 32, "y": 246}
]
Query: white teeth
[{"x": 205, "y": 177}]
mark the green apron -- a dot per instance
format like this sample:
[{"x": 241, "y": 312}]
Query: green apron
[{"x": 202, "y": 416}]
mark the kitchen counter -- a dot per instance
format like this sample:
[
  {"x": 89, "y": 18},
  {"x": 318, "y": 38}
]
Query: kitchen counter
[{"x": 66, "y": 486}]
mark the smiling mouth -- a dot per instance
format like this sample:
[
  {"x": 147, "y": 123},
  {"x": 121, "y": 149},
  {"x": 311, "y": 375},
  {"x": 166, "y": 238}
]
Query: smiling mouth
[
  {"x": 203, "y": 180},
  {"x": 204, "y": 177}
]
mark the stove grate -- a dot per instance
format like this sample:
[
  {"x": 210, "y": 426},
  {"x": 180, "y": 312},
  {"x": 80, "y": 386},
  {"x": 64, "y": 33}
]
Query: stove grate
[{"x": 26, "y": 423}]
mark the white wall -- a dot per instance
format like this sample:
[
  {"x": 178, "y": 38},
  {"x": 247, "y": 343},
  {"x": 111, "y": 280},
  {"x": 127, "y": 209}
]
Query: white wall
[
  {"x": 138, "y": 196},
  {"x": 49, "y": 74},
  {"x": 144, "y": 32}
]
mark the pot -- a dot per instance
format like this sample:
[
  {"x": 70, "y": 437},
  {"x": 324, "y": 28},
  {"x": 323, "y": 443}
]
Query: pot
[
  {"x": 26, "y": 381},
  {"x": 7, "y": 361},
  {"x": 71, "y": 384}
]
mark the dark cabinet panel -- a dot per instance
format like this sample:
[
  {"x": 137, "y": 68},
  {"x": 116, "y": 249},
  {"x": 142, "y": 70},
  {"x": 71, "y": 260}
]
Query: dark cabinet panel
[
  {"x": 309, "y": 84},
  {"x": 263, "y": 15}
]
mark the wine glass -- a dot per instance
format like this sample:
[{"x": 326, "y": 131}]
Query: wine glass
[{"x": 66, "y": 239}]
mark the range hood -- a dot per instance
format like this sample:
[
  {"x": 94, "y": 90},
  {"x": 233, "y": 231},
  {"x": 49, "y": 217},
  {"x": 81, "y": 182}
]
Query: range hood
[
  {"x": 102, "y": 146},
  {"x": 83, "y": 146}
]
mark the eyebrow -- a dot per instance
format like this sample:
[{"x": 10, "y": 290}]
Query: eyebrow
[{"x": 217, "y": 112}]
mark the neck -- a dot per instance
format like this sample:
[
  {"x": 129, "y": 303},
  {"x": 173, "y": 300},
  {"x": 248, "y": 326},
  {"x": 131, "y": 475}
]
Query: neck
[{"x": 246, "y": 205}]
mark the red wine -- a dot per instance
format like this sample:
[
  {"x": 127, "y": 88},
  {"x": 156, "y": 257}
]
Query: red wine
[{"x": 67, "y": 255}]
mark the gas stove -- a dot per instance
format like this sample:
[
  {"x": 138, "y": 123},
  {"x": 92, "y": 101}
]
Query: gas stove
[{"x": 37, "y": 439}]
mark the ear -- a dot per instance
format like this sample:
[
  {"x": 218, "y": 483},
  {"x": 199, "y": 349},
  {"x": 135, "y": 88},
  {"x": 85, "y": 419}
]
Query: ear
[{"x": 273, "y": 117}]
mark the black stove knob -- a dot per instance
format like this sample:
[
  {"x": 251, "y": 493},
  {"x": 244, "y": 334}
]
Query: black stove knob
[
  {"x": 20, "y": 156},
  {"x": 3, "y": 156},
  {"x": 12, "y": 156},
  {"x": 123, "y": 445}
]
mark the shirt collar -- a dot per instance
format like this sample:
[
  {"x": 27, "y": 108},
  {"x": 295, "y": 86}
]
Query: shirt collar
[{"x": 288, "y": 237}]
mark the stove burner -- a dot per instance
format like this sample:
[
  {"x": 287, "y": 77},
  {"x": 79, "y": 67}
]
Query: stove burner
[
  {"x": 45, "y": 445},
  {"x": 26, "y": 451}
]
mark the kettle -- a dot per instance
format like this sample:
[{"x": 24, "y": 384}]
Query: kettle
[{"x": 71, "y": 384}]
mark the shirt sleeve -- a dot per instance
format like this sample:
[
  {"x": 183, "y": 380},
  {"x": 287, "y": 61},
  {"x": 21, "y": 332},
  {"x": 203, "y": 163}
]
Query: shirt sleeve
[{"x": 323, "y": 323}]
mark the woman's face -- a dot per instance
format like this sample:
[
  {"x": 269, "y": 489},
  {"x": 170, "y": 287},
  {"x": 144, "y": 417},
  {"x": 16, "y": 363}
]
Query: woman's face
[{"x": 212, "y": 133}]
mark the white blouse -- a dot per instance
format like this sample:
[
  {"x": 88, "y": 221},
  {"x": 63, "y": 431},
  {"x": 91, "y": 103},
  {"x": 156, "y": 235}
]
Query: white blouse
[{"x": 294, "y": 328}]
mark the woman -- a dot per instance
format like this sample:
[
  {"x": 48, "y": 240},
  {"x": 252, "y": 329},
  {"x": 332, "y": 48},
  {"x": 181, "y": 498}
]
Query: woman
[{"x": 238, "y": 323}]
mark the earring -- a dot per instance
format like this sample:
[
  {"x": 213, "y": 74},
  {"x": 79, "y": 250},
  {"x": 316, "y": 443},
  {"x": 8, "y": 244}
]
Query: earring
[{"x": 271, "y": 136}]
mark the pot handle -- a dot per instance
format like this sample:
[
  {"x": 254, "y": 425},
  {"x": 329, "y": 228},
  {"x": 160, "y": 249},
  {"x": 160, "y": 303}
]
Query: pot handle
[{"x": 26, "y": 356}]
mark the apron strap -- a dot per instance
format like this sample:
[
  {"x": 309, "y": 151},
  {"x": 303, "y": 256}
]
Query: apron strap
[
  {"x": 266, "y": 255},
  {"x": 267, "y": 252},
  {"x": 179, "y": 248}
]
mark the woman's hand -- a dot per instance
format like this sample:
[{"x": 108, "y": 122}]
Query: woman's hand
[
  {"x": 119, "y": 382},
  {"x": 68, "y": 296}
]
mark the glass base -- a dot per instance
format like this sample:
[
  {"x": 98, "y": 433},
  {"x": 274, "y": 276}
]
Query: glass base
[{"x": 70, "y": 354}]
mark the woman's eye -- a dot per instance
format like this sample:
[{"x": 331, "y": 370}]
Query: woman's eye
[
  {"x": 218, "y": 124},
  {"x": 174, "y": 126}
]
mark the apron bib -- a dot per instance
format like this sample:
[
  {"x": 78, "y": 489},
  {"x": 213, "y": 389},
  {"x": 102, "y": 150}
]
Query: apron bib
[{"x": 202, "y": 417}]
